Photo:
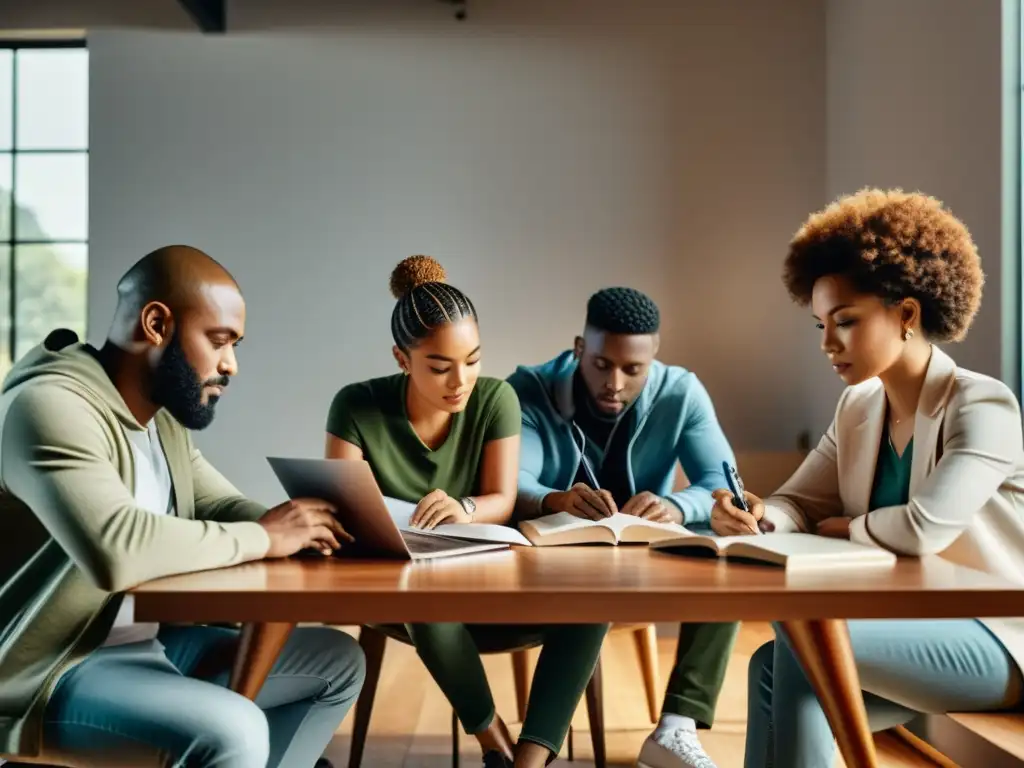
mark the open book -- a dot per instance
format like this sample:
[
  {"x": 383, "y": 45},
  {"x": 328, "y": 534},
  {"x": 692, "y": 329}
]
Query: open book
[
  {"x": 793, "y": 551},
  {"x": 563, "y": 528},
  {"x": 401, "y": 513}
]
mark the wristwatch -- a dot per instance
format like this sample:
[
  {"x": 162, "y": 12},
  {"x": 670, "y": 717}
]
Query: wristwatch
[{"x": 470, "y": 506}]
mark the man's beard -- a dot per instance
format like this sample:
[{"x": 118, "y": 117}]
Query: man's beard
[{"x": 178, "y": 388}]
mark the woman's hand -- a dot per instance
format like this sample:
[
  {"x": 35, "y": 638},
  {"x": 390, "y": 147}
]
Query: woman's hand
[
  {"x": 438, "y": 507},
  {"x": 834, "y": 527},
  {"x": 729, "y": 520}
]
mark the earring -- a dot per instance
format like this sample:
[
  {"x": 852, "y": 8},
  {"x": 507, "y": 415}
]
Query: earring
[{"x": 908, "y": 334}]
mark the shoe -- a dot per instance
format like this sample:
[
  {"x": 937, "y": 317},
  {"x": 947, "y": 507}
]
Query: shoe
[
  {"x": 679, "y": 748},
  {"x": 495, "y": 759}
]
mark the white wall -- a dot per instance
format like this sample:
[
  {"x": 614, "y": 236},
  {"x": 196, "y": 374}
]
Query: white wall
[
  {"x": 671, "y": 148},
  {"x": 915, "y": 100}
]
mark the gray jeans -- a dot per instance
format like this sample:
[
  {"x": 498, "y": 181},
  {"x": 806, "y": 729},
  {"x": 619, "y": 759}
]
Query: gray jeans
[{"x": 165, "y": 702}]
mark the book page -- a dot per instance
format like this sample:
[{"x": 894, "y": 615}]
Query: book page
[
  {"x": 402, "y": 511},
  {"x": 481, "y": 532},
  {"x": 723, "y": 542},
  {"x": 808, "y": 550},
  {"x": 559, "y": 523},
  {"x": 750, "y": 542},
  {"x": 795, "y": 544},
  {"x": 618, "y": 522}
]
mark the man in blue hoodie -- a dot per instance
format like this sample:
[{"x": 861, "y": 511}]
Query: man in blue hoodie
[{"x": 603, "y": 427}]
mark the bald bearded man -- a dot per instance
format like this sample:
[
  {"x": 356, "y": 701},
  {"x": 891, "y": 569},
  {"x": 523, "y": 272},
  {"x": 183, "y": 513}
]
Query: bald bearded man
[{"x": 101, "y": 489}]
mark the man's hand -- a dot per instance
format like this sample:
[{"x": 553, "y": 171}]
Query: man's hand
[
  {"x": 438, "y": 507},
  {"x": 652, "y": 507},
  {"x": 729, "y": 520},
  {"x": 582, "y": 501},
  {"x": 834, "y": 527},
  {"x": 303, "y": 524}
]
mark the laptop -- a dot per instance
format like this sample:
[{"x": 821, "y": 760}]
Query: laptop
[{"x": 350, "y": 486}]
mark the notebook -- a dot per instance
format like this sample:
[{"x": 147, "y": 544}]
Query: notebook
[
  {"x": 563, "y": 528},
  {"x": 401, "y": 513},
  {"x": 793, "y": 551}
]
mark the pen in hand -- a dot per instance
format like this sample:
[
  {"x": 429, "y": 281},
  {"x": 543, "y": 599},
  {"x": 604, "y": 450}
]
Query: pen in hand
[
  {"x": 739, "y": 496},
  {"x": 584, "y": 499}
]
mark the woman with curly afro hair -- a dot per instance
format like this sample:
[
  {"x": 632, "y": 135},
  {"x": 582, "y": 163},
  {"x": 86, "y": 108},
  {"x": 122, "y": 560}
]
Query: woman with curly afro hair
[
  {"x": 922, "y": 457},
  {"x": 446, "y": 439}
]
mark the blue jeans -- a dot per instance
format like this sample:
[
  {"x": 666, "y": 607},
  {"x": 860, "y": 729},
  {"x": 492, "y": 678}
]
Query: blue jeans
[
  {"x": 165, "y": 702},
  {"x": 906, "y": 667}
]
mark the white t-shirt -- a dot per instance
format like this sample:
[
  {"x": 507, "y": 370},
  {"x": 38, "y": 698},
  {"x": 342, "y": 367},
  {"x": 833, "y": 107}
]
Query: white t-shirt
[{"x": 155, "y": 494}]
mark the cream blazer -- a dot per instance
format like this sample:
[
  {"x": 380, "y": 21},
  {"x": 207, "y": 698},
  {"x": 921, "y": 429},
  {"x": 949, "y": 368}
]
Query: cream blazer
[{"x": 966, "y": 478}]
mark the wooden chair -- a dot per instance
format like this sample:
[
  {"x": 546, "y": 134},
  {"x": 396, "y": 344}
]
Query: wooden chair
[
  {"x": 968, "y": 739},
  {"x": 42, "y": 761},
  {"x": 373, "y": 640}
]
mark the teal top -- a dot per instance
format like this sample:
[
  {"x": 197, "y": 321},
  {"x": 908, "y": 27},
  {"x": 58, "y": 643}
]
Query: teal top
[{"x": 892, "y": 474}]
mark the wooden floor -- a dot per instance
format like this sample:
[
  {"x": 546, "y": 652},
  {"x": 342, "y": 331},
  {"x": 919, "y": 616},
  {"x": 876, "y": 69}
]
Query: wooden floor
[{"x": 411, "y": 720}]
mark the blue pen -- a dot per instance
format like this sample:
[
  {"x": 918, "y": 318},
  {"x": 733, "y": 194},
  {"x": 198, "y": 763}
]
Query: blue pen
[{"x": 739, "y": 498}]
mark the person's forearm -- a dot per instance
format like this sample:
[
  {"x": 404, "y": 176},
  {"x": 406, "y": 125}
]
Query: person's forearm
[
  {"x": 493, "y": 508},
  {"x": 529, "y": 503},
  {"x": 694, "y": 504}
]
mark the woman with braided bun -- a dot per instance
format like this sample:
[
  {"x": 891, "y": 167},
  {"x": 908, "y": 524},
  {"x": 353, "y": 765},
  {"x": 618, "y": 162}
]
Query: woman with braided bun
[
  {"x": 440, "y": 435},
  {"x": 923, "y": 457}
]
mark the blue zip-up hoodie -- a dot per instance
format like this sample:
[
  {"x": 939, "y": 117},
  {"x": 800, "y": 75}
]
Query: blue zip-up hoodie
[{"x": 675, "y": 421}]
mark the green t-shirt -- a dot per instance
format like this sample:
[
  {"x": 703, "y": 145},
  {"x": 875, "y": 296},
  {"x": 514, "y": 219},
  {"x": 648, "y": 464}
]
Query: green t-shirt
[
  {"x": 892, "y": 475},
  {"x": 372, "y": 415}
]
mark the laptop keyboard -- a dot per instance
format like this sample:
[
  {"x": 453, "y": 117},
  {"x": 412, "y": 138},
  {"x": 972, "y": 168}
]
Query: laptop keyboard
[{"x": 421, "y": 543}]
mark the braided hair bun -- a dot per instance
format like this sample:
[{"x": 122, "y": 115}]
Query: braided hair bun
[
  {"x": 425, "y": 301},
  {"x": 415, "y": 271}
]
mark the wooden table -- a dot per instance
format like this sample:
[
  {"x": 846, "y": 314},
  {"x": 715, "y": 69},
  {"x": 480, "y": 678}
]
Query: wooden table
[{"x": 585, "y": 585}]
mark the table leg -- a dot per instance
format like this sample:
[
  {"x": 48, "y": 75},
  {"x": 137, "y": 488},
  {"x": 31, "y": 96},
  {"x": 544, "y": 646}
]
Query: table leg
[
  {"x": 823, "y": 648},
  {"x": 258, "y": 649}
]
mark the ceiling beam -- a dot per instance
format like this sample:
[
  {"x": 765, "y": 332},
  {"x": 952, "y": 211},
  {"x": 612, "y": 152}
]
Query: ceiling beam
[{"x": 209, "y": 15}]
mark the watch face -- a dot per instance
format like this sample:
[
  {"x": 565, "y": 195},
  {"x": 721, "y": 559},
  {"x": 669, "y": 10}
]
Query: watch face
[{"x": 469, "y": 504}]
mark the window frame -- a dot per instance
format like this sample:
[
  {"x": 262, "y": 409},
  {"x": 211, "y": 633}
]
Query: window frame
[
  {"x": 1013, "y": 197},
  {"x": 11, "y": 242}
]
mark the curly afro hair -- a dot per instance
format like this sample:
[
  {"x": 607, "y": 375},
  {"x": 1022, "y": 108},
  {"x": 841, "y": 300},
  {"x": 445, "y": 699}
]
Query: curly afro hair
[
  {"x": 414, "y": 271},
  {"x": 894, "y": 245},
  {"x": 425, "y": 301},
  {"x": 623, "y": 310}
]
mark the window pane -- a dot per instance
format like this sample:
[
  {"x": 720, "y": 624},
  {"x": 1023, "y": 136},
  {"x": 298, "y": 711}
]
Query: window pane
[
  {"x": 53, "y": 99},
  {"x": 50, "y": 292},
  {"x": 5, "y": 314},
  {"x": 6, "y": 98},
  {"x": 50, "y": 192},
  {"x": 5, "y": 196}
]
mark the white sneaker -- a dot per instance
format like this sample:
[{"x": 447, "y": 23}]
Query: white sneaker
[{"x": 679, "y": 748}]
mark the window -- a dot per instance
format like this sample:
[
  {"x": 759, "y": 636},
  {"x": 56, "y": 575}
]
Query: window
[{"x": 44, "y": 171}]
